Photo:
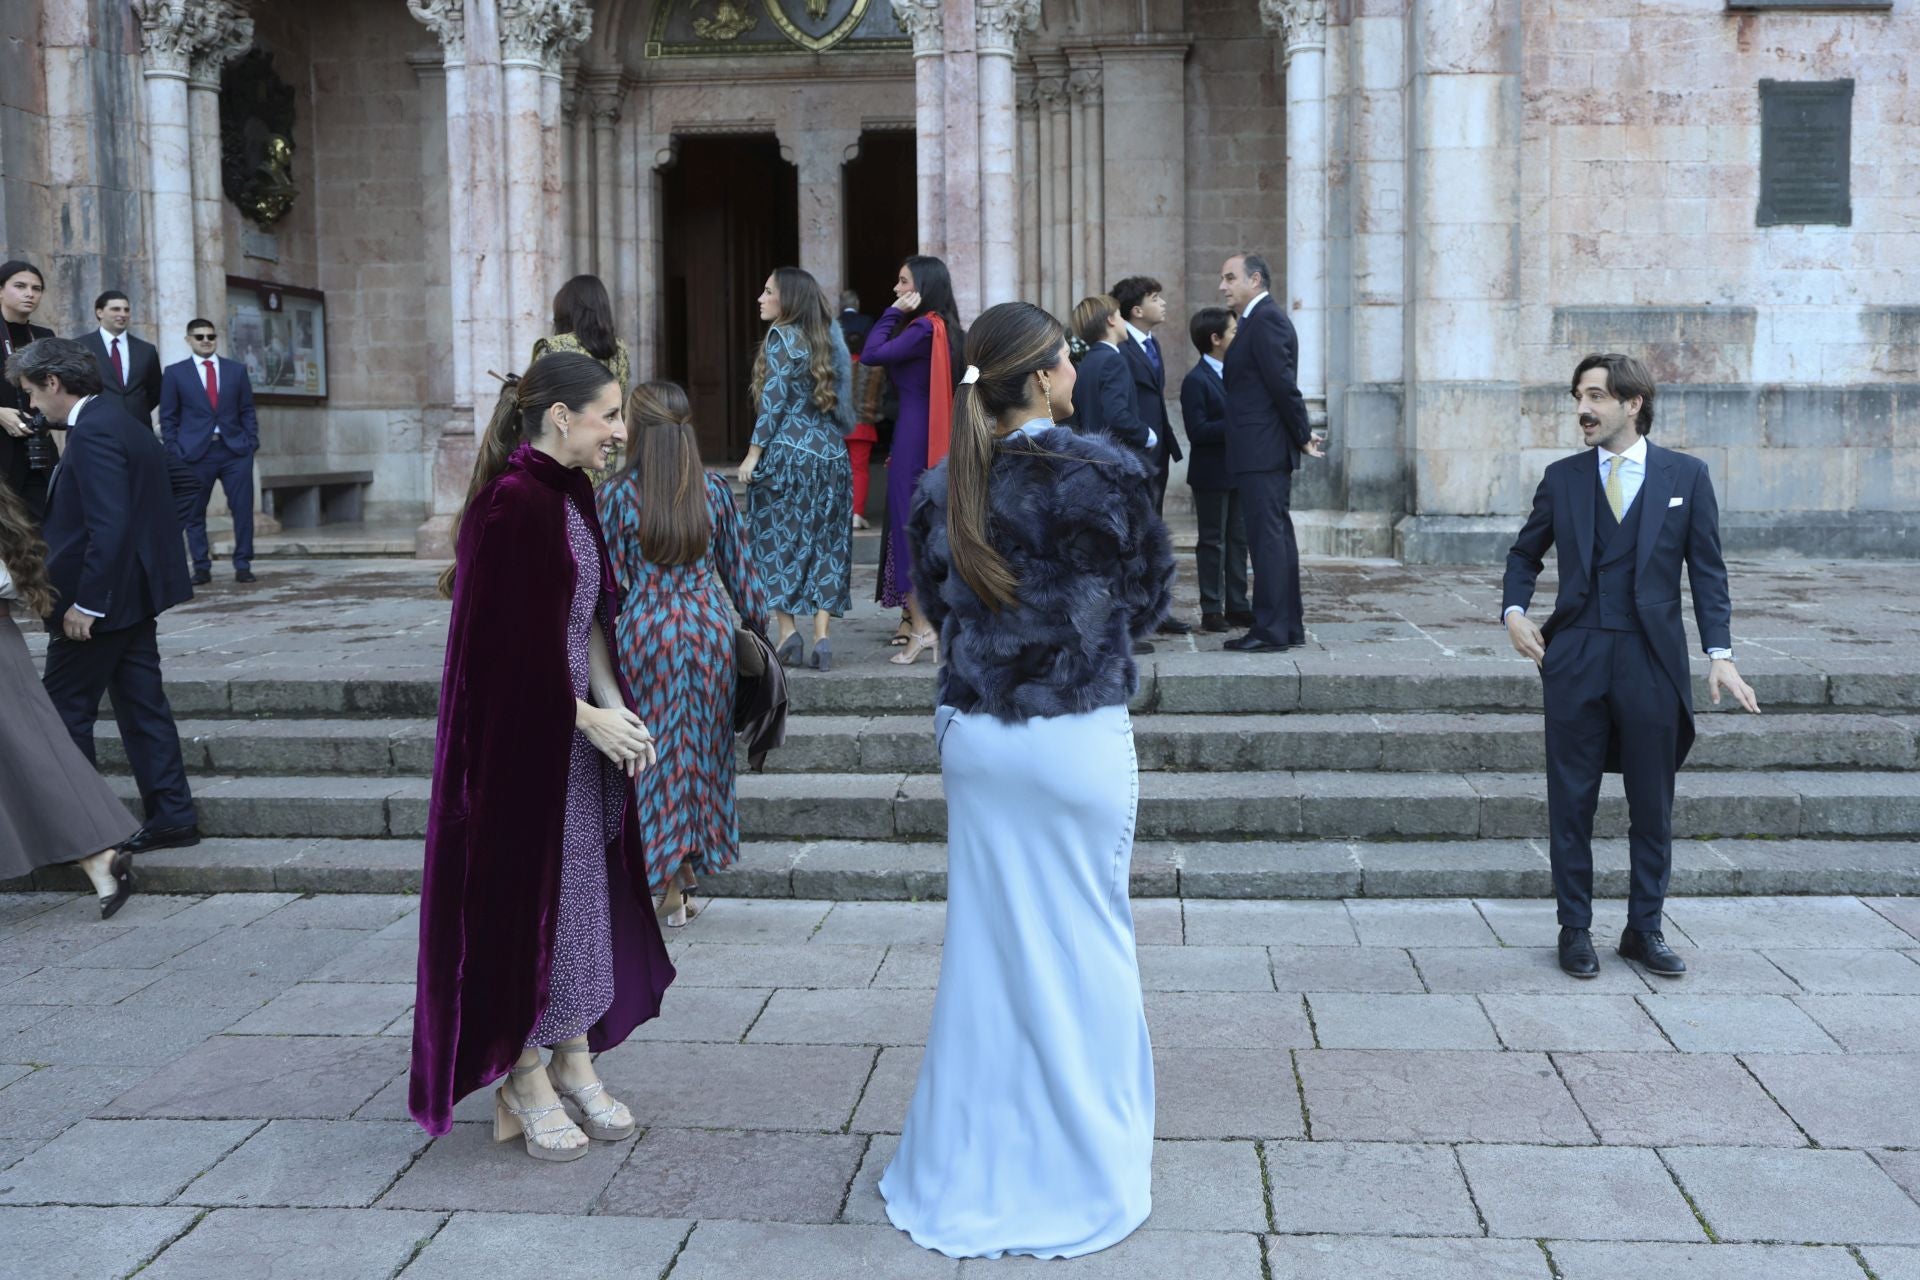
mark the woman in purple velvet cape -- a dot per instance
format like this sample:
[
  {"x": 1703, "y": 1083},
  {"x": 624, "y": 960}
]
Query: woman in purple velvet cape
[{"x": 536, "y": 926}]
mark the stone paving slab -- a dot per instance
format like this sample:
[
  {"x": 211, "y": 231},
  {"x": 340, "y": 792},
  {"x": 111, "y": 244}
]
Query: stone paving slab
[
  {"x": 1846, "y": 1100},
  {"x": 1582, "y": 1260},
  {"x": 1578, "y": 1193},
  {"x": 1382, "y": 1258},
  {"x": 1405, "y": 1096},
  {"x": 107, "y": 1162},
  {"x": 71, "y": 1243},
  {"x": 1810, "y": 1197},
  {"x": 1677, "y": 1100},
  {"x": 310, "y": 1164},
  {"x": 743, "y": 1175},
  {"x": 294, "y": 1244},
  {"x": 1369, "y": 1188}
]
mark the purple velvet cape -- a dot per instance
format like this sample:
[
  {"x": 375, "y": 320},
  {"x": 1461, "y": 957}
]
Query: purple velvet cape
[{"x": 492, "y": 883}]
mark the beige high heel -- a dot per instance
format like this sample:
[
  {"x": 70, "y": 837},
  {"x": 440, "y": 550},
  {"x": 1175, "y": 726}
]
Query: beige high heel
[
  {"x": 510, "y": 1121},
  {"x": 612, "y": 1122},
  {"x": 918, "y": 644}
]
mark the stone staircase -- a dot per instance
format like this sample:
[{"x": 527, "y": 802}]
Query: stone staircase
[{"x": 1260, "y": 777}]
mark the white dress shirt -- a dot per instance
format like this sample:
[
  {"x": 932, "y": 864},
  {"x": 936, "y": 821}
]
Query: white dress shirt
[
  {"x": 126, "y": 352},
  {"x": 1215, "y": 365},
  {"x": 1251, "y": 305},
  {"x": 1153, "y": 440}
]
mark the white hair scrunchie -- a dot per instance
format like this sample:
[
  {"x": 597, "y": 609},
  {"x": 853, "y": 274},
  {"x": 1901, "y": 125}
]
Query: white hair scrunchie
[{"x": 971, "y": 376}]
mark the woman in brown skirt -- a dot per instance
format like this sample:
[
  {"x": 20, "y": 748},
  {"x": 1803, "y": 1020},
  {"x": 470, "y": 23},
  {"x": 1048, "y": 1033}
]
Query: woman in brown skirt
[{"x": 53, "y": 806}]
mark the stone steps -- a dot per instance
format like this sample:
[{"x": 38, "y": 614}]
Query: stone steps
[
  {"x": 1387, "y": 742},
  {"x": 1224, "y": 806},
  {"x": 859, "y": 870}
]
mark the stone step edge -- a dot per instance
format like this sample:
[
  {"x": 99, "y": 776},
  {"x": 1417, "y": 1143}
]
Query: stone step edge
[{"x": 877, "y": 871}]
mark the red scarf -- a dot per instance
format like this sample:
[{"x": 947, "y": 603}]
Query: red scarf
[{"x": 939, "y": 394}]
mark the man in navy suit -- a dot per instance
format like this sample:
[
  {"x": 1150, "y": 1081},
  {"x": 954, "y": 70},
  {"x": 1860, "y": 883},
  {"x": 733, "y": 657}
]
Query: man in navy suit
[
  {"x": 113, "y": 557},
  {"x": 1267, "y": 431},
  {"x": 1221, "y": 555},
  {"x": 207, "y": 420},
  {"x": 129, "y": 367},
  {"x": 1626, "y": 515}
]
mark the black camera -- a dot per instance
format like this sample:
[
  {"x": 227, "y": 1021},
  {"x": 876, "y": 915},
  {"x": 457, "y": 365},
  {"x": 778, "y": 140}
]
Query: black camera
[{"x": 42, "y": 454}]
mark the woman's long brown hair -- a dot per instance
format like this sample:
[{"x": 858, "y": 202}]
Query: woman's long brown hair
[
  {"x": 560, "y": 377},
  {"x": 1008, "y": 344},
  {"x": 663, "y": 457},
  {"x": 24, "y": 554},
  {"x": 803, "y": 307}
]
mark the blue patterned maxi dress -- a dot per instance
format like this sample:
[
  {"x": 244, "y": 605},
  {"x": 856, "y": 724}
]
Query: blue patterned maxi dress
[
  {"x": 674, "y": 643},
  {"x": 800, "y": 502}
]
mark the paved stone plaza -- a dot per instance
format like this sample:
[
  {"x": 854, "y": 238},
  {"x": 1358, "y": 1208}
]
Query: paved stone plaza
[{"x": 1400, "y": 1090}]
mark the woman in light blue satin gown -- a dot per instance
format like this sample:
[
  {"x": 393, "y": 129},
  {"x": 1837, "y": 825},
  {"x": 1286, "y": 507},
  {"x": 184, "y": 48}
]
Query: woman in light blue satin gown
[{"x": 1037, "y": 553}]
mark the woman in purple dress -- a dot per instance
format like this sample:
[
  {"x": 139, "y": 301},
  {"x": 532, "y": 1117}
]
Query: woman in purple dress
[
  {"x": 536, "y": 927},
  {"x": 917, "y": 341}
]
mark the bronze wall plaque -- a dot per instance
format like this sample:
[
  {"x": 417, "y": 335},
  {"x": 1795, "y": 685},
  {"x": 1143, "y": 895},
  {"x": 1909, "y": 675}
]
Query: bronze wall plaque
[{"x": 1806, "y": 153}]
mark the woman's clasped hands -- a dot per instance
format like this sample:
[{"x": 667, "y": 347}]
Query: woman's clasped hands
[{"x": 618, "y": 734}]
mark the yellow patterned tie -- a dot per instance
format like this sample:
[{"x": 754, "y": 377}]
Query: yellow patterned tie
[{"x": 1613, "y": 486}]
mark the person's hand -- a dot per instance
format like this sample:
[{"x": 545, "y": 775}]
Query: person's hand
[
  {"x": 746, "y": 470},
  {"x": 1316, "y": 448},
  {"x": 79, "y": 626},
  {"x": 1720, "y": 674},
  {"x": 1526, "y": 637},
  {"x": 14, "y": 423},
  {"x": 616, "y": 734},
  {"x": 908, "y": 302}
]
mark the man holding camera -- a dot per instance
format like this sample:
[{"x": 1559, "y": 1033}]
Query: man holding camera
[{"x": 27, "y": 451}]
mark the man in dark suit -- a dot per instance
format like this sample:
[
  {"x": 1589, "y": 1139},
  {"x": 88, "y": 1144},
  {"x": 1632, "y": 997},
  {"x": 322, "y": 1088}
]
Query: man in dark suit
[
  {"x": 27, "y": 453},
  {"x": 1267, "y": 431},
  {"x": 1142, "y": 308},
  {"x": 129, "y": 368},
  {"x": 1626, "y": 515},
  {"x": 207, "y": 420},
  {"x": 1221, "y": 554},
  {"x": 113, "y": 557},
  {"x": 854, "y": 326}
]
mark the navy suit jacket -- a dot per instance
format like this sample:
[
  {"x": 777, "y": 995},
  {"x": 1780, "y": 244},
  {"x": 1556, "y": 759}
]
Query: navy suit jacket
[
  {"x": 1150, "y": 390},
  {"x": 1105, "y": 401},
  {"x": 1266, "y": 416},
  {"x": 113, "y": 537},
  {"x": 187, "y": 420},
  {"x": 139, "y": 395},
  {"x": 1203, "y": 404},
  {"x": 1679, "y": 524}
]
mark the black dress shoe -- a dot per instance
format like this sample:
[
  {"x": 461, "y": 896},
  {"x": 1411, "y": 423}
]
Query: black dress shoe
[
  {"x": 201, "y": 577},
  {"x": 121, "y": 868},
  {"x": 1648, "y": 947},
  {"x": 1250, "y": 644},
  {"x": 1239, "y": 617},
  {"x": 1213, "y": 622},
  {"x": 1577, "y": 956},
  {"x": 244, "y": 575},
  {"x": 147, "y": 839},
  {"x": 1174, "y": 627},
  {"x": 1142, "y": 646}
]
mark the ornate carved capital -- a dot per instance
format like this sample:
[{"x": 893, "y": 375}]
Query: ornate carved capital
[
  {"x": 997, "y": 24},
  {"x": 572, "y": 24},
  {"x": 1051, "y": 89},
  {"x": 1083, "y": 85},
  {"x": 543, "y": 31},
  {"x": 228, "y": 34},
  {"x": 447, "y": 19},
  {"x": 921, "y": 20},
  {"x": 1026, "y": 95},
  {"x": 1300, "y": 24},
  {"x": 604, "y": 93},
  {"x": 172, "y": 32}
]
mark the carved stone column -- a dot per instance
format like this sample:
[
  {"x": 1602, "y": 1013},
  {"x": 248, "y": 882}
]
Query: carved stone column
[
  {"x": 1077, "y": 188},
  {"x": 1026, "y": 168},
  {"x": 606, "y": 90},
  {"x": 571, "y": 22},
  {"x": 531, "y": 33},
  {"x": 1302, "y": 27},
  {"x": 171, "y": 32},
  {"x": 1054, "y": 96},
  {"x": 921, "y": 20},
  {"x": 997, "y": 28},
  {"x": 821, "y": 155},
  {"x": 961, "y": 148},
  {"x": 229, "y": 34},
  {"x": 576, "y": 115},
  {"x": 1085, "y": 86}
]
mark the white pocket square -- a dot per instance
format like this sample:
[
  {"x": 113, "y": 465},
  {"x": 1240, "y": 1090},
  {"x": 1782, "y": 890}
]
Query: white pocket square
[{"x": 1674, "y": 502}]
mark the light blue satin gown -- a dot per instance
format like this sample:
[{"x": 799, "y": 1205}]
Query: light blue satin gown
[{"x": 1031, "y": 1127}]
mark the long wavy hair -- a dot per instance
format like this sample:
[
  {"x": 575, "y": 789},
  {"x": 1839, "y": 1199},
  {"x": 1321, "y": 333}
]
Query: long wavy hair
[
  {"x": 520, "y": 414},
  {"x": 803, "y": 307},
  {"x": 668, "y": 479},
  {"x": 583, "y": 309},
  {"x": 23, "y": 553},
  {"x": 1009, "y": 343},
  {"x": 934, "y": 283}
]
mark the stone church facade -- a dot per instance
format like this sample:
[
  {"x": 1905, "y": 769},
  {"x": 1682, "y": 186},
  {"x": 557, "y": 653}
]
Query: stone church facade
[{"x": 1459, "y": 198}]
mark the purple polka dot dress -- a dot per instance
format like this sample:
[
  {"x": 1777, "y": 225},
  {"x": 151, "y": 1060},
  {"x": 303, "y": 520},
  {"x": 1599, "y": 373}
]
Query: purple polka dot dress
[{"x": 580, "y": 982}]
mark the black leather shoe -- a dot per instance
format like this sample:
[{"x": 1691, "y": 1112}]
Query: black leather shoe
[
  {"x": 1577, "y": 955},
  {"x": 1142, "y": 646},
  {"x": 244, "y": 575},
  {"x": 1175, "y": 627},
  {"x": 1239, "y": 617},
  {"x": 1213, "y": 622},
  {"x": 147, "y": 839},
  {"x": 1249, "y": 644},
  {"x": 1648, "y": 948},
  {"x": 201, "y": 577}
]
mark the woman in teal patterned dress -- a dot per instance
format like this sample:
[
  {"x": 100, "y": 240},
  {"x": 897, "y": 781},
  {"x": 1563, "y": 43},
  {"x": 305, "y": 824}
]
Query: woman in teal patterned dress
[
  {"x": 799, "y": 482},
  {"x": 680, "y": 554}
]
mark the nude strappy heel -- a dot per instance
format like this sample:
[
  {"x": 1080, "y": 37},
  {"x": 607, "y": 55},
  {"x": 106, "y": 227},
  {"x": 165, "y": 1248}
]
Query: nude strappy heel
[
  {"x": 917, "y": 645},
  {"x": 510, "y": 1121},
  {"x": 611, "y": 1122}
]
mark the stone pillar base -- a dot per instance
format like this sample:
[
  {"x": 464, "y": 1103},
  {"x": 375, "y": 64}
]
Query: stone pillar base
[
  {"x": 453, "y": 457},
  {"x": 1344, "y": 535}
]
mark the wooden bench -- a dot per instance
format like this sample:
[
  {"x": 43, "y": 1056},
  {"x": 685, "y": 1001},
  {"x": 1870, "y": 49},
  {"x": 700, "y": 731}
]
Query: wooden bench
[{"x": 314, "y": 498}]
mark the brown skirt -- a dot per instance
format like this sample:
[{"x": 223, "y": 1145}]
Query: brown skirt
[{"x": 53, "y": 805}]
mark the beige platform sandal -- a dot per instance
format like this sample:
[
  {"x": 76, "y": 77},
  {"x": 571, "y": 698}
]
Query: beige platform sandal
[
  {"x": 611, "y": 1121},
  {"x": 510, "y": 1121}
]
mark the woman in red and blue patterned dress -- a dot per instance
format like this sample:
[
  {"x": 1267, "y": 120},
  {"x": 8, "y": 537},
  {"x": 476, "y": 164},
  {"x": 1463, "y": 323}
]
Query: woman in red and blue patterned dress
[{"x": 680, "y": 553}]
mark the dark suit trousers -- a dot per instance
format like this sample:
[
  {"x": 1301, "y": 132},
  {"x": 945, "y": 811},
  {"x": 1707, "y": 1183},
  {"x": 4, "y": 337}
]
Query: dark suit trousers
[
  {"x": 1266, "y": 497},
  {"x": 1221, "y": 555},
  {"x": 234, "y": 473},
  {"x": 1157, "y": 481},
  {"x": 125, "y": 663},
  {"x": 1606, "y": 687}
]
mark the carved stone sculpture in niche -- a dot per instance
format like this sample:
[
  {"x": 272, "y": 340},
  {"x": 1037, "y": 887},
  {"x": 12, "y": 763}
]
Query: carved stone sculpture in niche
[
  {"x": 727, "y": 21},
  {"x": 256, "y": 138}
]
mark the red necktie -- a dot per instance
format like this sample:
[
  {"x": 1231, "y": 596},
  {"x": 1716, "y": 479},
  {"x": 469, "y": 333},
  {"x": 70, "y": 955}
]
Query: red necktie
[
  {"x": 119, "y": 373},
  {"x": 213, "y": 387}
]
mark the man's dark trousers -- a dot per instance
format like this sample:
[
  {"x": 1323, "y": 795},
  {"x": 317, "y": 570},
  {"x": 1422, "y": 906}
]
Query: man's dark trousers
[
  {"x": 1267, "y": 498},
  {"x": 234, "y": 473},
  {"x": 1221, "y": 553},
  {"x": 125, "y": 663}
]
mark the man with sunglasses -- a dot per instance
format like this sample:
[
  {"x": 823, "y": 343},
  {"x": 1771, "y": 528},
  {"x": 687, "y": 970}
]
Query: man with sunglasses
[{"x": 207, "y": 421}]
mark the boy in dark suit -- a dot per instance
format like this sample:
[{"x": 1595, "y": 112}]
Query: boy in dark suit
[
  {"x": 207, "y": 420},
  {"x": 129, "y": 367},
  {"x": 1221, "y": 555},
  {"x": 1104, "y": 396}
]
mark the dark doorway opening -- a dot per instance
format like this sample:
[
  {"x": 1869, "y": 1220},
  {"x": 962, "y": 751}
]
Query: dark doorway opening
[
  {"x": 731, "y": 214},
  {"x": 882, "y": 215}
]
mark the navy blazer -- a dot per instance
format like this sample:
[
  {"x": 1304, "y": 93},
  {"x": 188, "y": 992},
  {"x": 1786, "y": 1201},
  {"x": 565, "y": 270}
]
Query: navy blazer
[
  {"x": 1105, "y": 401},
  {"x": 187, "y": 420},
  {"x": 1203, "y": 404},
  {"x": 113, "y": 538},
  {"x": 1266, "y": 415},
  {"x": 1150, "y": 390},
  {"x": 1679, "y": 524},
  {"x": 139, "y": 394}
]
